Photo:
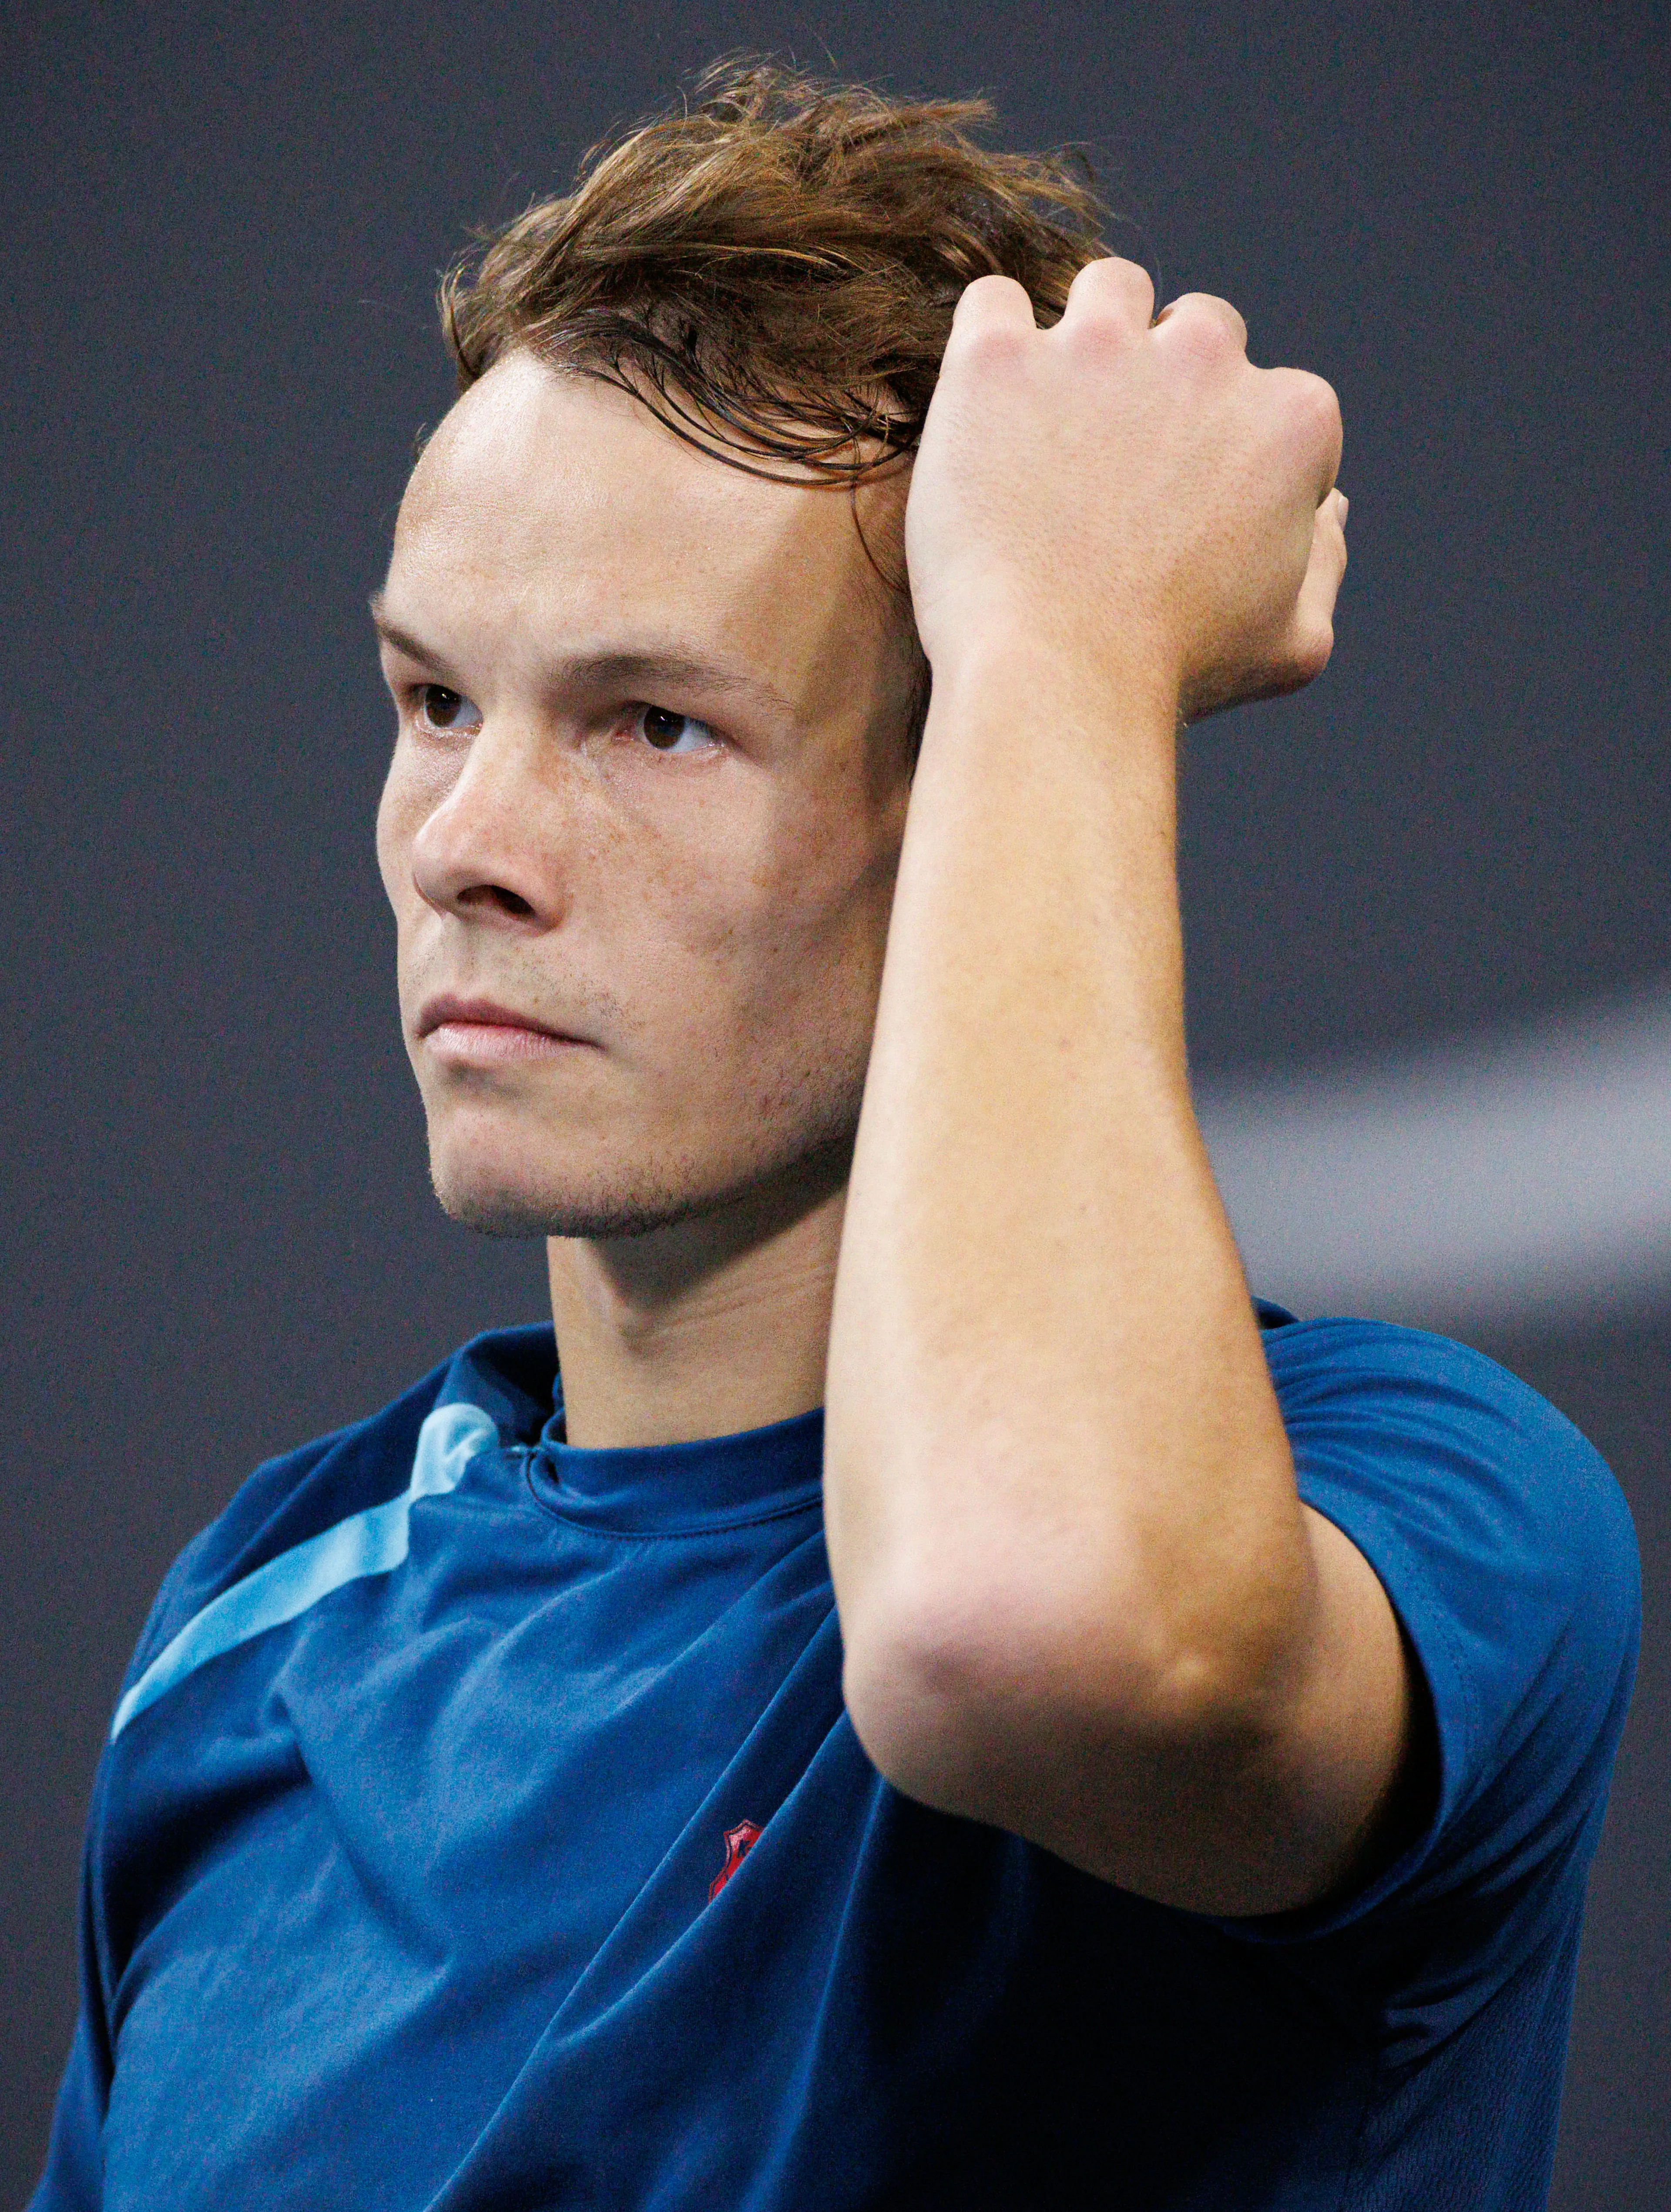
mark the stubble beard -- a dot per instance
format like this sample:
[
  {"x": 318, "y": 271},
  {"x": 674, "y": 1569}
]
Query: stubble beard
[{"x": 807, "y": 1151}]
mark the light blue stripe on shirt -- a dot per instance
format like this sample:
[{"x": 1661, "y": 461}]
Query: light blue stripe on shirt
[{"x": 368, "y": 1543}]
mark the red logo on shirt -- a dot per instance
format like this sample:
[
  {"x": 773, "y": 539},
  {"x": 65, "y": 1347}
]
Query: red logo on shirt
[{"x": 740, "y": 1842}]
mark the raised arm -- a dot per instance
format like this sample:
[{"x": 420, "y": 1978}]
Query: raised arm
[{"x": 1079, "y": 1595}]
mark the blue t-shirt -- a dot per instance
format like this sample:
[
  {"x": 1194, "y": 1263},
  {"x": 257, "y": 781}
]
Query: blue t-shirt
[{"x": 481, "y": 1826}]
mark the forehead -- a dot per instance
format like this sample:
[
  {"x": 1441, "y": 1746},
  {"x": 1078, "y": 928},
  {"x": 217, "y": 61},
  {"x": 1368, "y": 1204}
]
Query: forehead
[{"x": 547, "y": 500}]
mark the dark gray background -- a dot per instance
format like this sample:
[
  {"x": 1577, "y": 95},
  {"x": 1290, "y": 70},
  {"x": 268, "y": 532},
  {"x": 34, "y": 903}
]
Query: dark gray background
[{"x": 222, "y": 228}]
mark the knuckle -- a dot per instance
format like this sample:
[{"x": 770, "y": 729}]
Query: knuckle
[
  {"x": 991, "y": 344},
  {"x": 1112, "y": 286},
  {"x": 988, "y": 290},
  {"x": 1206, "y": 325},
  {"x": 1210, "y": 335},
  {"x": 1317, "y": 400},
  {"x": 1311, "y": 654},
  {"x": 989, "y": 302},
  {"x": 1114, "y": 269},
  {"x": 1101, "y": 329},
  {"x": 1202, "y": 334}
]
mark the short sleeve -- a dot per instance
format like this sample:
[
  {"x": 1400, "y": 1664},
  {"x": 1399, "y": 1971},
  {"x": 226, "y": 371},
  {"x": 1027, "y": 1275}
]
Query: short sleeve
[{"x": 1507, "y": 1551}]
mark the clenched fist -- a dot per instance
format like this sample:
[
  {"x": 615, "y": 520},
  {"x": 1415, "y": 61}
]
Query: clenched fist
[{"x": 1131, "y": 488}]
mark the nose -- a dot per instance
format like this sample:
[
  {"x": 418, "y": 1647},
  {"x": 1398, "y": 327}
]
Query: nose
[{"x": 489, "y": 851}]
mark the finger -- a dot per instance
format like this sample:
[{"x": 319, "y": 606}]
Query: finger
[
  {"x": 1328, "y": 548},
  {"x": 1311, "y": 636},
  {"x": 994, "y": 302},
  {"x": 1311, "y": 415},
  {"x": 1122, "y": 290},
  {"x": 1193, "y": 309}
]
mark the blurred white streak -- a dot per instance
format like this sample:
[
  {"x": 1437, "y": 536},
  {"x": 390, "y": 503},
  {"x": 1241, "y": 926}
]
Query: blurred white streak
[{"x": 1523, "y": 1173}]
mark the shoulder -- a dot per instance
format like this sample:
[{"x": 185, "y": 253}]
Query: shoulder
[
  {"x": 1430, "y": 1435},
  {"x": 290, "y": 1499}
]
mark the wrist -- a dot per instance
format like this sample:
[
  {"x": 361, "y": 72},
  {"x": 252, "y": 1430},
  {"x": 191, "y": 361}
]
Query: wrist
[{"x": 1009, "y": 672}]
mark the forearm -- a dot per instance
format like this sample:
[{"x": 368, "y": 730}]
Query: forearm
[{"x": 1057, "y": 1481}]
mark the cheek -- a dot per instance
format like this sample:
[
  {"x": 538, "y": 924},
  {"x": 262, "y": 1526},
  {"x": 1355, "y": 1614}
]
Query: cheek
[
  {"x": 799, "y": 936},
  {"x": 394, "y": 841},
  {"x": 402, "y": 810}
]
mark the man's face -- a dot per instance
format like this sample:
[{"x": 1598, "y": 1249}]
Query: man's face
[{"x": 642, "y": 820}]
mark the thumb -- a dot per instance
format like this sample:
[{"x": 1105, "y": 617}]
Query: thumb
[{"x": 1311, "y": 635}]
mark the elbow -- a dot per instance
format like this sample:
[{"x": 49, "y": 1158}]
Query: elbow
[
  {"x": 968, "y": 1699},
  {"x": 931, "y": 1703}
]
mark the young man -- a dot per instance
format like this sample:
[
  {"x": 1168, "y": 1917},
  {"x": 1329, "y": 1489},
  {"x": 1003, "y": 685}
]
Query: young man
[{"x": 943, "y": 1702}]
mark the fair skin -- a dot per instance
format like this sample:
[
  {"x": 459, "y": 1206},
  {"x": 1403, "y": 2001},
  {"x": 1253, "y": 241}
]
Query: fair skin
[{"x": 672, "y": 907}]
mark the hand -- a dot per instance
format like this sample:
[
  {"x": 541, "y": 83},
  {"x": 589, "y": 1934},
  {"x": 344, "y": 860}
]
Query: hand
[{"x": 1133, "y": 491}]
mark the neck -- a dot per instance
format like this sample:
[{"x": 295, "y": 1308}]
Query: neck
[{"x": 702, "y": 1328}]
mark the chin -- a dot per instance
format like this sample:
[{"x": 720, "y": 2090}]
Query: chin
[
  {"x": 508, "y": 1203},
  {"x": 500, "y": 1191}
]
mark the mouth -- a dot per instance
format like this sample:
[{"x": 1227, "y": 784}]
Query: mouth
[{"x": 478, "y": 1030}]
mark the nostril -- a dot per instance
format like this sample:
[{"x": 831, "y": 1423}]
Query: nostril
[{"x": 496, "y": 895}]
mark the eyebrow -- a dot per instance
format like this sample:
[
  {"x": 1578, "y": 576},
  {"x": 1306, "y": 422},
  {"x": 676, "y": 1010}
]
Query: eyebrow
[
  {"x": 403, "y": 640},
  {"x": 620, "y": 668}
]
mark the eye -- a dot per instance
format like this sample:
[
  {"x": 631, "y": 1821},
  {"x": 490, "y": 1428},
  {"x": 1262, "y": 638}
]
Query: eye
[
  {"x": 441, "y": 709},
  {"x": 672, "y": 733}
]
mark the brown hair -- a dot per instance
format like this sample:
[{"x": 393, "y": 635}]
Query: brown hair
[{"x": 772, "y": 268}]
